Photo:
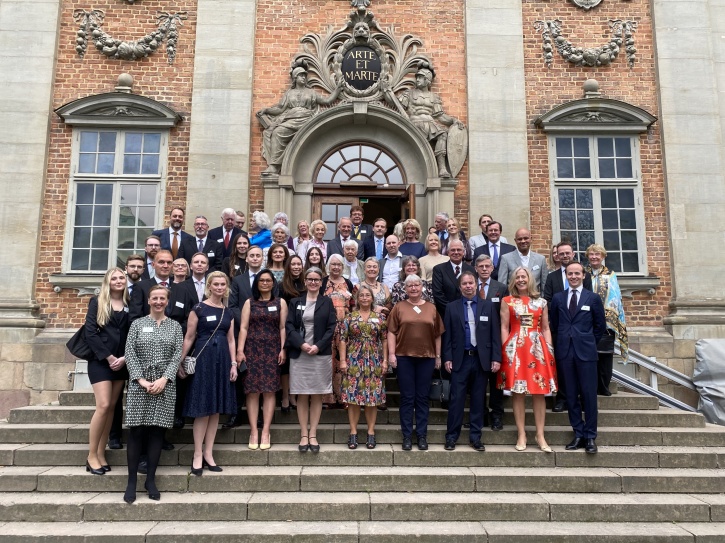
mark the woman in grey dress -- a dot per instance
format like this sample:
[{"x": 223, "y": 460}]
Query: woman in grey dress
[
  {"x": 153, "y": 353},
  {"x": 310, "y": 326}
]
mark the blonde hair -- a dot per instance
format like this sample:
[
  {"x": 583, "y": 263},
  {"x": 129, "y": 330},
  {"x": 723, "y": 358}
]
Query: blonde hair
[
  {"x": 596, "y": 248},
  {"x": 210, "y": 278},
  {"x": 105, "y": 309},
  {"x": 314, "y": 223},
  {"x": 415, "y": 224},
  {"x": 532, "y": 290}
]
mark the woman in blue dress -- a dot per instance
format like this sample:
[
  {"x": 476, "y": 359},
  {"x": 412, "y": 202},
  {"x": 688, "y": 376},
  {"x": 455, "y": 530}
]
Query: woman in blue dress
[{"x": 211, "y": 392}]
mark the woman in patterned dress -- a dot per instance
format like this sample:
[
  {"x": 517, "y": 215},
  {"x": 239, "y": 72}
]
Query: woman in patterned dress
[
  {"x": 364, "y": 363},
  {"x": 528, "y": 361},
  {"x": 381, "y": 293},
  {"x": 153, "y": 353},
  {"x": 210, "y": 392},
  {"x": 409, "y": 265},
  {"x": 263, "y": 319}
]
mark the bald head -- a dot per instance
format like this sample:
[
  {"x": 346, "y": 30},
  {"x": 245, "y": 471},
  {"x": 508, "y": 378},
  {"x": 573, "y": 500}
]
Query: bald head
[
  {"x": 456, "y": 251},
  {"x": 523, "y": 240},
  {"x": 391, "y": 244}
]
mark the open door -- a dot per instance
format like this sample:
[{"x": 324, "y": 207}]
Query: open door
[{"x": 407, "y": 203}]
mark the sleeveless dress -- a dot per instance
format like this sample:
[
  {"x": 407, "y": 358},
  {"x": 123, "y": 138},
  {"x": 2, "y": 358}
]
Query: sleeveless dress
[
  {"x": 342, "y": 300},
  {"x": 310, "y": 374},
  {"x": 262, "y": 347},
  {"x": 528, "y": 365},
  {"x": 210, "y": 390}
]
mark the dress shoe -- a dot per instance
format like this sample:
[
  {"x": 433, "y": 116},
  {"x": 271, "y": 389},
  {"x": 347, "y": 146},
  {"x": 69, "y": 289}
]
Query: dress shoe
[
  {"x": 153, "y": 492},
  {"x": 94, "y": 471},
  {"x": 130, "y": 495},
  {"x": 371, "y": 443},
  {"x": 467, "y": 425},
  {"x": 207, "y": 465},
  {"x": 106, "y": 468},
  {"x": 576, "y": 443},
  {"x": 167, "y": 446},
  {"x": 422, "y": 443},
  {"x": 604, "y": 392},
  {"x": 497, "y": 424},
  {"x": 591, "y": 446},
  {"x": 477, "y": 445},
  {"x": 450, "y": 445},
  {"x": 559, "y": 407},
  {"x": 143, "y": 467},
  {"x": 178, "y": 422},
  {"x": 304, "y": 448},
  {"x": 383, "y": 407},
  {"x": 407, "y": 444},
  {"x": 234, "y": 421},
  {"x": 314, "y": 448},
  {"x": 115, "y": 443},
  {"x": 544, "y": 447},
  {"x": 197, "y": 471}
]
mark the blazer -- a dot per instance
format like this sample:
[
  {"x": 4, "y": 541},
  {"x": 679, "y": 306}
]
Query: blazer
[
  {"x": 445, "y": 284},
  {"x": 110, "y": 339},
  {"x": 190, "y": 287},
  {"x": 537, "y": 266},
  {"x": 178, "y": 309},
  {"x": 483, "y": 250},
  {"x": 497, "y": 291},
  {"x": 578, "y": 335},
  {"x": 555, "y": 284},
  {"x": 360, "y": 270},
  {"x": 325, "y": 321},
  {"x": 218, "y": 235},
  {"x": 166, "y": 237},
  {"x": 240, "y": 292},
  {"x": 212, "y": 249},
  {"x": 368, "y": 248},
  {"x": 488, "y": 334},
  {"x": 366, "y": 230},
  {"x": 334, "y": 247},
  {"x": 146, "y": 269}
]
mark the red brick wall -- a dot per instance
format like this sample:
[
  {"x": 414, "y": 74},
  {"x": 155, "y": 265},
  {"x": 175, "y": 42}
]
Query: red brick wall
[
  {"x": 547, "y": 87},
  {"x": 77, "y": 78}
]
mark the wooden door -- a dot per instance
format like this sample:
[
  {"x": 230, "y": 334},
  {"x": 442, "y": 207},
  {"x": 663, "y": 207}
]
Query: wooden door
[
  {"x": 407, "y": 203},
  {"x": 330, "y": 209}
]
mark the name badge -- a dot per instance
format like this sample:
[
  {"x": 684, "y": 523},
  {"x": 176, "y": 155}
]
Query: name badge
[
  {"x": 585, "y": 308},
  {"x": 180, "y": 304},
  {"x": 125, "y": 309},
  {"x": 220, "y": 240},
  {"x": 211, "y": 318},
  {"x": 272, "y": 308},
  {"x": 536, "y": 267},
  {"x": 417, "y": 309},
  {"x": 483, "y": 318},
  {"x": 374, "y": 320},
  {"x": 147, "y": 329},
  {"x": 495, "y": 300},
  {"x": 301, "y": 307},
  {"x": 236, "y": 266},
  {"x": 211, "y": 253},
  {"x": 363, "y": 231}
]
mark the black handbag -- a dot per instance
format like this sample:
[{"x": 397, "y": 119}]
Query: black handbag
[
  {"x": 78, "y": 346},
  {"x": 440, "y": 389}
]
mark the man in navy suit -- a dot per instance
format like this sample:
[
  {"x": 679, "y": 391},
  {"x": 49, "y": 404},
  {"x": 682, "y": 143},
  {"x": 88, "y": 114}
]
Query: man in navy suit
[
  {"x": 225, "y": 234},
  {"x": 374, "y": 245},
  {"x": 471, "y": 349},
  {"x": 495, "y": 248},
  {"x": 577, "y": 315},
  {"x": 172, "y": 236},
  {"x": 202, "y": 243},
  {"x": 360, "y": 231}
]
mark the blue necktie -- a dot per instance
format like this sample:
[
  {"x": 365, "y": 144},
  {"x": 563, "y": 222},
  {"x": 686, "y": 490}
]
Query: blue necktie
[
  {"x": 495, "y": 256},
  {"x": 378, "y": 249}
]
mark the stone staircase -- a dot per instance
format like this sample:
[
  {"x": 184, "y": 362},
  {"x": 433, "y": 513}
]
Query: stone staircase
[{"x": 658, "y": 477}]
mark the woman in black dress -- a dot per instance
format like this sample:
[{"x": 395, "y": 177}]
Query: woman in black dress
[
  {"x": 292, "y": 286},
  {"x": 106, "y": 329},
  {"x": 210, "y": 391},
  {"x": 263, "y": 320}
]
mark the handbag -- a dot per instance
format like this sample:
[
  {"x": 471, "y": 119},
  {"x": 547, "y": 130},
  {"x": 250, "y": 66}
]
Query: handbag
[
  {"x": 440, "y": 389},
  {"x": 78, "y": 346},
  {"x": 190, "y": 361}
]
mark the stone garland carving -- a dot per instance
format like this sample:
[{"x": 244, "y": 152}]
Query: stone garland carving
[
  {"x": 622, "y": 32},
  {"x": 90, "y": 22},
  {"x": 584, "y": 4}
]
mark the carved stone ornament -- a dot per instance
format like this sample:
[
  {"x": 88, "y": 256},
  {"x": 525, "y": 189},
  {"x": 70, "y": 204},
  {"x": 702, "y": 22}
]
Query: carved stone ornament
[
  {"x": 363, "y": 62},
  {"x": 89, "y": 23},
  {"x": 622, "y": 33},
  {"x": 587, "y": 4}
]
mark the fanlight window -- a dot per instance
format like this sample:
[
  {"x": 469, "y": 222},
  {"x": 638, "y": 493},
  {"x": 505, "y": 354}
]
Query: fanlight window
[{"x": 360, "y": 163}]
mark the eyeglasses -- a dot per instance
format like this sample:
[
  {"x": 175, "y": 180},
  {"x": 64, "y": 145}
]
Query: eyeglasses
[
  {"x": 314, "y": 280},
  {"x": 264, "y": 280}
]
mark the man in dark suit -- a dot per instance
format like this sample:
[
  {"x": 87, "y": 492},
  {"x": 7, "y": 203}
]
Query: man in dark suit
[
  {"x": 151, "y": 247},
  {"x": 240, "y": 221},
  {"x": 495, "y": 248},
  {"x": 360, "y": 231},
  {"x": 577, "y": 315},
  {"x": 374, "y": 244},
  {"x": 225, "y": 234},
  {"x": 196, "y": 284},
  {"x": 557, "y": 282},
  {"x": 172, "y": 236},
  {"x": 335, "y": 245},
  {"x": 202, "y": 243},
  {"x": 494, "y": 291},
  {"x": 471, "y": 348},
  {"x": 445, "y": 277}
]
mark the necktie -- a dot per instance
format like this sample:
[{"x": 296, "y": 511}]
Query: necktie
[
  {"x": 164, "y": 283},
  {"x": 495, "y": 255},
  {"x": 357, "y": 232},
  {"x": 378, "y": 249},
  {"x": 201, "y": 245},
  {"x": 566, "y": 282},
  {"x": 485, "y": 291},
  {"x": 175, "y": 245},
  {"x": 572, "y": 303},
  {"x": 458, "y": 271},
  {"x": 226, "y": 240},
  {"x": 471, "y": 322},
  {"x": 199, "y": 290},
  {"x": 344, "y": 241}
]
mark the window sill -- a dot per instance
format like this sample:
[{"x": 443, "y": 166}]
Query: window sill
[
  {"x": 630, "y": 285},
  {"x": 86, "y": 284}
]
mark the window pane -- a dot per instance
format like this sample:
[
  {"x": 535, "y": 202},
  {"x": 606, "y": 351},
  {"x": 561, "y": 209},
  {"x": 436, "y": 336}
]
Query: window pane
[
  {"x": 84, "y": 194},
  {"x": 87, "y": 163},
  {"x": 340, "y": 176},
  {"x": 564, "y": 168},
  {"x": 353, "y": 167},
  {"x": 104, "y": 194},
  {"x": 609, "y": 198},
  {"x": 334, "y": 161},
  {"x": 331, "y": 231},
  {"x": 107, "y": 142},
  {"x": 611, "y": 241},
  {"x": 629, "y": 241},
  {"x": 99, "y": 259},
  {"x": 624, "y": 168},
  {"x": 563, "y": 147},
  {"x": 152, "y": 143},
  {"x": 568, "y": 236},
  {"x": 126, "y": 216},
  {"x": 627, "y": 219},
  {"x": 610, "y": 220},
  {"x": 585, "y": 220},
  {"x": 379, "y": 178},
  {"x": 129, "y": 194},
  {"x": 626, "y": 198},
  {"x": 581, "y": 147},
  {"x": 81, "y": 237},
  {"x": 385, "y": 162},
  {"x": 324, "y": 175},
  {"x": 567, "y": 220},
  {"x": 328, "y": 212},
  {"x": 584, "y": 199},
  {"x": 89, "y": 140},
  {"x": 623, "y": 147},
  {"x": 131, "y": 164},
  {"x": 566, "y": 198},
  {"x": 102, "y": 216},
  {"x": 351, "y": 153},
  {"x": 395, "y": 177},
  {"x": 101, "y": 238},
  {"x": 630, "y": 262},
  {"x": 581, "y": 168},
  {"x": 606, "y": 168},
  {"x": 585, "y": 240},
  {"x": 368, "y": 168},
  {"x": 126, "y": 239},
  {"x": 605, "y": 147},
  {"x": 133, "y": 142},
  {"x": 84, "y": 215},
  {"x": 79, "y": 259},
  {"x": 614, "y": 262},
  {"x": 147, "y": 195},
  {"x": 146, "y": 216},
  {"x": 369, "y": 153},
  {"x": 150, "y": 165},
  {"x": 105, "y": 163}
]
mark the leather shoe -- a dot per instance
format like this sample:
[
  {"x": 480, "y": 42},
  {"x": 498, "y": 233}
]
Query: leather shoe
[
  {"x": 477, "y": 445},
  {"x": 467, "y": 425},
  {"x": 591, "y": 446},
  {"x": 232, "y": 422},
  {"x": 115, "y": 443},
  {"x": 576, "y": 443},
  {"x": 497, "y": 424},
  {"x": 167, "y": 446},
  {"x": 450, "y": 445},
  {"x": 560, "y": 407},
  {"x": 143, "y": 467},
  {"x": 422, "y": 443},
  {"x": 178, "y": 422},
  {"x": 407, "y": 444}
]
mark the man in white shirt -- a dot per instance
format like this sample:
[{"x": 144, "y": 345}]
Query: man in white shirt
[
  {"x": 172, "y": 237},
  {"x": 390, "y": 264},
  {"x": 375, "y": 245},
  {"x": 523, "y": 256},
  {"x": 196, "y": 284},
  {"x": 344, "y": 229}
]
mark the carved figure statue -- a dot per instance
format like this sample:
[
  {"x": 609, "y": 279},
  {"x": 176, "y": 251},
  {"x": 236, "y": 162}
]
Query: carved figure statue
[
  {"x": 425, "y": 110},
  {"x": 298, "y": 105}
]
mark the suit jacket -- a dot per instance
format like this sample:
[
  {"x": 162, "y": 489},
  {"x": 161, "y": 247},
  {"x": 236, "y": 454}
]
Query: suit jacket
[
  {"x": 240, "y": 292},
  {"x": 577, "y": 335},
  {"x": 445, "y": 285},
  {"x": 555, "y": 284},
  {"x": 178, "y": 309},
  {"x": 334, "y": 247},
  {"x": 483, "y": 250},
  {"x": 360, "y": 270},
  {"x": 166, "y": 238},
  {"x": 488, "y": 334},
  {"x": 146, "y": 269},
  {"x": 537, "y": 266},
  {"x": 190, "y": 287},
  {"x": 217, "y": 234},
  {"x": 366, "y": 230},
  {"x": 109, "y": 340},
  {"x": 368, "y": 247},
  {"x": 325, "y": 320},
  {"x": 497, "y": 291},
  {"x": 212, "y": 249}
]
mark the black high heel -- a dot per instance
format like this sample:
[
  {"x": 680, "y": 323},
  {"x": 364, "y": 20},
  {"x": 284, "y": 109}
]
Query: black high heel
[
  {"x": 154, "y": 493},
  {"x": 130, "y": 495},
  {"x": 207, "y": 465},
  {"x": 194, "y": 471},
  {"x": 106, "y": 468},
  {"x": 94, "y": 471}
]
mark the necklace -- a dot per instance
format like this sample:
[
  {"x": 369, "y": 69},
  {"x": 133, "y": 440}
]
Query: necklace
[{"x": 373, "y": 285}]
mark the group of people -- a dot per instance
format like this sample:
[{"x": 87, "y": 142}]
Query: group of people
[{"x": 323, "y": 322}]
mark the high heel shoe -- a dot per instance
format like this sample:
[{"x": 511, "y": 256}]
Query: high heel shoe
[
  {"x": 253, "y": 443},
  {"x": 314, "y": 448},
  {"x": 207, "y": 465},
  {"x": 94, "y": 471},
  {"x": 154, "y": 493},
  {"x": 544, "y": 448},
  {"x": 130, "y": 495},
  {"x": 265, "y": 446},
  {"x": 194, "y": 471},
  {"x": 106, "y": 468},
  {"x": 304, "y": 448}
]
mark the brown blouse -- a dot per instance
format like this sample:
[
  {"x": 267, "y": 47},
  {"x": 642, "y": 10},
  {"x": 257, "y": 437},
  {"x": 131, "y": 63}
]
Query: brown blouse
[{"x": 415, "y": 332}]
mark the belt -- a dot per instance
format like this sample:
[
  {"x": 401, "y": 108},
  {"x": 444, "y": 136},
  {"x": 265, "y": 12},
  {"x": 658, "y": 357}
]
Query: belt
[{"x": 471, "y": 352}]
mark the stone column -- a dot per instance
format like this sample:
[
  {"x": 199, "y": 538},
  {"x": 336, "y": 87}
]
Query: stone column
[
  {"x": 688, "y": 37},
  {"x": 28, "y": 40},
  {"x": 497, "y": 156},
  {"x": 221, "y": 107}
]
